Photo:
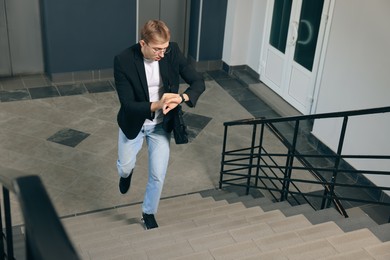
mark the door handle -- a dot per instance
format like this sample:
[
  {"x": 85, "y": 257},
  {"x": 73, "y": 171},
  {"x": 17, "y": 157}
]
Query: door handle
[{"x": 294, "y": 34}]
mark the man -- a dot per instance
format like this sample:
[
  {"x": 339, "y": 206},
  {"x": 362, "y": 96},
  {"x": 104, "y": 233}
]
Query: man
[{"x": 147, "y": 78}]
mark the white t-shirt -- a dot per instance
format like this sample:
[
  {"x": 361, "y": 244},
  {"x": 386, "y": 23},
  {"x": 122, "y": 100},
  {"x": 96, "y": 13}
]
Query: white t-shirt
[{"x": 155, "y": 88}]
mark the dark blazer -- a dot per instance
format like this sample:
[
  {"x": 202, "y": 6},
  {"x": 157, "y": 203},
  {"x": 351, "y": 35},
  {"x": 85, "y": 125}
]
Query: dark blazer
[{"x": 132, "y": 88}]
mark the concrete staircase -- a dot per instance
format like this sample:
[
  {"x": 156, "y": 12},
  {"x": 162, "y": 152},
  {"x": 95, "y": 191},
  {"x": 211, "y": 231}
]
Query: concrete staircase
[{"x": 223, "y": 225}]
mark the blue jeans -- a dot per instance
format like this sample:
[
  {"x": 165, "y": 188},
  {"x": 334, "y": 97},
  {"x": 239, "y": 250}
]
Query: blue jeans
[{"x": 158, "y": 141}]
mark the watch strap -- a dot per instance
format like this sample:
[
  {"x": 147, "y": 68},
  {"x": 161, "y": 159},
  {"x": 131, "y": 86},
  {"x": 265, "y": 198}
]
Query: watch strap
[{"x": 182, "y": 98}]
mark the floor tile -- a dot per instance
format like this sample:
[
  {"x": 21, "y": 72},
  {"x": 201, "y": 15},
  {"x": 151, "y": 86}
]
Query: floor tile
[
  {"x": 72, "y": 89},
  {"x": 68, "y": 137},
  {"x": 43, "y": 92},
  {"x": 10, "y": 83},
  {"x": 14, "y": 95},
  {"x": 218, "y": 74},
  {"x": 98, "y": 86},
  {"x": 35, "y": 80},
  {"x": 194, "y": 120}
]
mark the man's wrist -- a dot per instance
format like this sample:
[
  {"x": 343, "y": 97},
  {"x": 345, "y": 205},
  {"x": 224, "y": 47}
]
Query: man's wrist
[{"x": 182, "y": 98}]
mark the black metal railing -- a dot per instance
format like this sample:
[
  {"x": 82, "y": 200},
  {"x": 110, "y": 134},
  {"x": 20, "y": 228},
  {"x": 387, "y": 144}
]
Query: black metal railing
[
  {"x": 283, "y": 158},
  {"x": 45, "y": 237}
]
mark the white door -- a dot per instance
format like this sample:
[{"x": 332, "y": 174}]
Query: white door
[{"x": 294, "y": 36}]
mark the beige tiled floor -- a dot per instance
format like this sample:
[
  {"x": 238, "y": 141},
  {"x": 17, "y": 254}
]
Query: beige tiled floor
[{"x": 84, "y": 178}]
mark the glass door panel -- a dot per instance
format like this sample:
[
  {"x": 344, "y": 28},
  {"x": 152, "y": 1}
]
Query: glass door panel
[
  {"x": 309, "y": 24},
  {"x": 280, "y": 24}
]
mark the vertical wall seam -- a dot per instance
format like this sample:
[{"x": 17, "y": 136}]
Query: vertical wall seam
[
  {"x": 137, "y": 21},
  {"x": 8, "y": 39},
  {"x": 199, "y": 30}
]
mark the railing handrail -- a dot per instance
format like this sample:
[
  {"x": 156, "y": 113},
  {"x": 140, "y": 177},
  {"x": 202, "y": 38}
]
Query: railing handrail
[
  {"x": 46, "y": 237},
  {"x": 262, "y": 120},
  {"x": 338, "y": 164}
]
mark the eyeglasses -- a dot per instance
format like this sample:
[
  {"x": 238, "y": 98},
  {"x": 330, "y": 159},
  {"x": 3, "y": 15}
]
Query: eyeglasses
[{"x": 160, "y": 50}]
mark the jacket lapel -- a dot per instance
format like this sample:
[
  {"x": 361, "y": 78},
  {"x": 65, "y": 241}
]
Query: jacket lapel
[
  {"x": 164, "y": 74},
  {"x": 139, "y": 64}
]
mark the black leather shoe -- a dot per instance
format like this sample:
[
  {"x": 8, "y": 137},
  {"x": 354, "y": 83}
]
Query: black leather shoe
[
  {"x": 124, "y": 183},
  {"x": 149, "y": 221}
]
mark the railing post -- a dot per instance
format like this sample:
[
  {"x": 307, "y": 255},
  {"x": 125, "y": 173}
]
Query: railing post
[
  {"x": 259, "y": 154},
  {"x": 289, "y": 164},
  {"x": 337, "y": 160},
  {"x": 8, "y": 224},
  {"x": 248, "y": 182},
  {"x": 223, "y": 156},
  {"x": 2, "y": 255}
]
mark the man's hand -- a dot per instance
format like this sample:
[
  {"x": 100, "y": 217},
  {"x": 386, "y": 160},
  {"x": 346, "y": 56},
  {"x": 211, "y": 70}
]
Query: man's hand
[{"x": 167, "y": 102}]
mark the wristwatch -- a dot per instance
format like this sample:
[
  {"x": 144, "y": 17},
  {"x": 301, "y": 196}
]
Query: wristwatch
[{"x": 182, "y": 98}]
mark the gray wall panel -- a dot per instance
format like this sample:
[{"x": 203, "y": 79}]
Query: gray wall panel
[
  {"x": 24, "y": 36},
  {"x": 172, "y": 12},
  {"x": 5, "y": 64},
  {"x": 213, "y": 29},
  {"x": 86, "y": 35}
]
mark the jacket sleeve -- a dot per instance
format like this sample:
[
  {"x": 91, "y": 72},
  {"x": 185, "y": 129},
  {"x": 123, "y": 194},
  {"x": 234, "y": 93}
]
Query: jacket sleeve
[{"x": 189, "y": 75}]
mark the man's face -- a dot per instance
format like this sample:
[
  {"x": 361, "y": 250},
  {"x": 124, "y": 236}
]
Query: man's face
[{"x": 154, "y": 51}]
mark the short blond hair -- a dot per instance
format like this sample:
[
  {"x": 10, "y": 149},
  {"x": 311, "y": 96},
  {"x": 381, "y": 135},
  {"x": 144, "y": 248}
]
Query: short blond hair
[{"x": 155, "y": 31}]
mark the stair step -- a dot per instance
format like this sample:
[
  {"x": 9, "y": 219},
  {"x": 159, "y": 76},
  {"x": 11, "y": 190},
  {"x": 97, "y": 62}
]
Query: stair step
[
  {"x": 253, "y": 231},
  {"x": 252, "y": 203},
  {"x": 382, "y": 232},
  {"x": 240, "y": 199},
  {"x": 225, "y": 196},
  {"x": 183, "y": 201},
  {"x": 211, "y": 241},
  {"x": 229, "y": 224},
  {"x": 177, "y": 227},
  {"x": 319, "y": 231},
  {"x": 267, "y": 217},
  {"x": 353, "y": 240},
  {"x": 381, "y": 251},
  {"x": 299, "y": 209},
  {"x": 199, "y": 227},
  {"x": 297, "y": 237},
  {"x": 355, "y": 255},
  {"x": 289, "y": 224},
  {"x": 170, "y": 251},
  {"x": 193, "y": 233},
  {"x": 355, "y": 223},
  {"x": 212, "y": 192},
  {"x": 235, "y": 251},
  {"x": 217, "y": 212},
  {"x": 118, "y": 252},
  {"x": 310, "y": 250},
  {"x": 276, "y": 254},
  {"x": 264, "y": 201},
  {"x": 205, "y": 255},
  {"x": 247, "y": 213},
  {"x": 324, "y": 215},
  {"x": 181, "y": 213},
  {"x": 277, "y": 205},
  {"x": 153, "y": 242},
  {"x": 279, "y": 240}
]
